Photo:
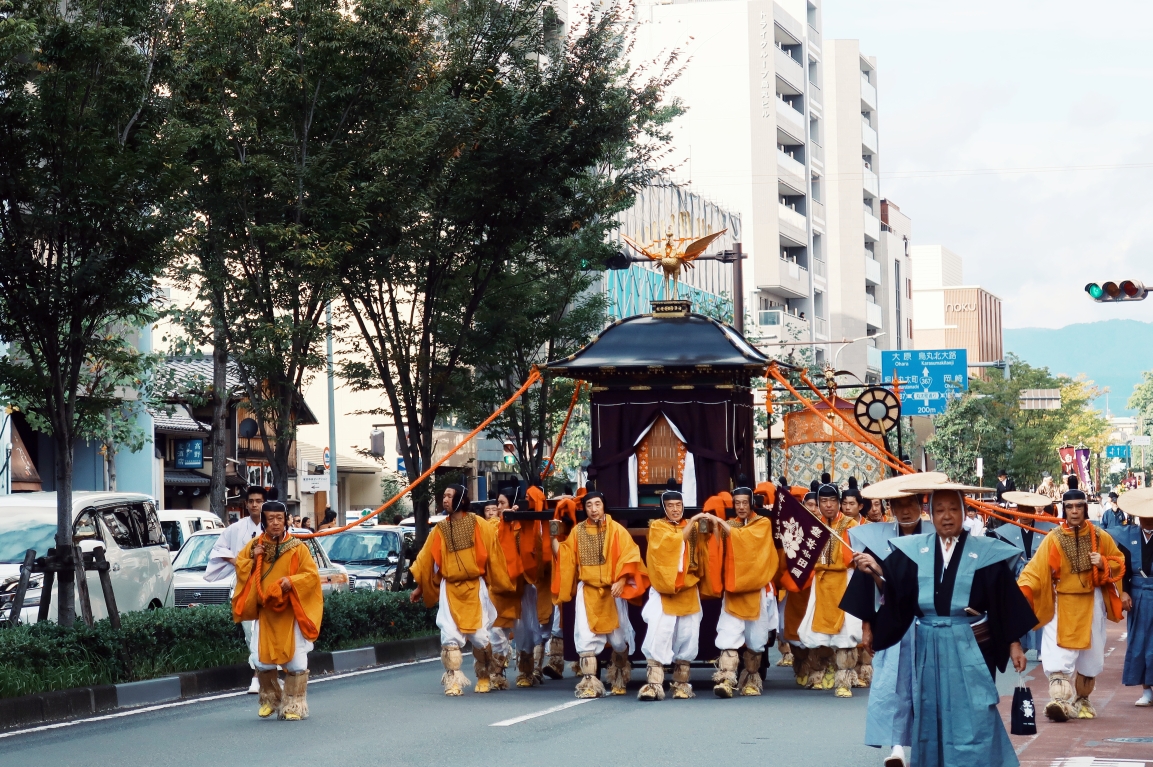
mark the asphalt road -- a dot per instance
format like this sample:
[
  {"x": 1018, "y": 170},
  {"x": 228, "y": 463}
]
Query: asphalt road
[{"x": 399, "y": 716}]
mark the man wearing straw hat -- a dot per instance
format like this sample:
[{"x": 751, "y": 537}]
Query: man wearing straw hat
[
  {"x": 1026, "y": 540},
  {"x": 958, "y": 594},
  {"x": 889, "y": 720},
  {"x": 1071, "y": 583},
  {"x": 449, "y": 573},
  {"x": 1137, "y": 545}
]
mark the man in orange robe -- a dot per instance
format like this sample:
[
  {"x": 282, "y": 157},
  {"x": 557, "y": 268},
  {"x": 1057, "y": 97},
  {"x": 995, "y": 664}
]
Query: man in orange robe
[
  {"x": 749, "y": 610},
  {"x": 278, "y": 586},
  {"x": 829, "y": 633},
  {"x": 676, "y": 560},
  {"x": 449, "y": 573},
  {"x": 1071, "y": 584},
  {"x": 598, "y": 565}
]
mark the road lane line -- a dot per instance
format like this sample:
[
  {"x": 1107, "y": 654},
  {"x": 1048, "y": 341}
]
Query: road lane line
[
  {"x": 546, "y": 712},
  {"x": 205, "y": 699}
]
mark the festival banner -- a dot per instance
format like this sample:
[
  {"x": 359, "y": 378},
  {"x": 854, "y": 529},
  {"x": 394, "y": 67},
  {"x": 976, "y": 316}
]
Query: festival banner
[
  {"x": 801, "y": 537},
  {"x": 1068, "y": 456},
  {"x": 1082, "y": 464}
]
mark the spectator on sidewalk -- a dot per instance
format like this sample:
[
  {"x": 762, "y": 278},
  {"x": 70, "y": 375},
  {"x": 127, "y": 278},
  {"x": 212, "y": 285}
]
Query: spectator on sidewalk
[{"x": 1113, "y": 517}]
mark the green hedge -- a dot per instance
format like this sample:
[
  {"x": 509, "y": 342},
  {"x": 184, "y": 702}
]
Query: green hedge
[{"x": 155, "y": 643}]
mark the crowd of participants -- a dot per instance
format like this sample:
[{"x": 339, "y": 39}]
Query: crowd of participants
[{"x": 913, "y": 594}]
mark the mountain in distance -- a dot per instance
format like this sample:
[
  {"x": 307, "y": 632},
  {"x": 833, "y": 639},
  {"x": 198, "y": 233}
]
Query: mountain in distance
[{"x": 1110, "y": 353}]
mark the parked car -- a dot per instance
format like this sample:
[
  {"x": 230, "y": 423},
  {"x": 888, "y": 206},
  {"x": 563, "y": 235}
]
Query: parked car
[
  {"x": 190, "y": 589},
  {"x": 370, "y": 555},
  {"x": 178, "y": 524},
  {"x": 125, "y": 525}
]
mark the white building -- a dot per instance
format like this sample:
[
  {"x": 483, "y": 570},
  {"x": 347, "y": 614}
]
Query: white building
[{"x": 780, "y": 129}]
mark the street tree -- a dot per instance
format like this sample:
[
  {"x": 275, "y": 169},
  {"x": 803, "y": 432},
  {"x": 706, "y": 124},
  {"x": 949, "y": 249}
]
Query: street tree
[
  {"x": 86, "y": 176},
  {"x": 538, "y": 310},
  {"x": 512, "y": 139},
  {"x": 276, "y": 102}
]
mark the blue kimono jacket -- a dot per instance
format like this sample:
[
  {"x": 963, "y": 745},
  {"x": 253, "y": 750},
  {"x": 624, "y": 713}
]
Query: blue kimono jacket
[
  {"x": 889, "y": 719},
  {"x": 1026, "y": 542},
  {"x": 955, "y": 717},
  {"x": 1138, "y": 584}
]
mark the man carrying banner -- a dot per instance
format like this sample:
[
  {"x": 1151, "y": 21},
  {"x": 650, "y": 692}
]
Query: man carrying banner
[
  {"x": 889, "y": 719},
  {"x": 1071, "y": 583},
  {"x": 801, "y": 538},
  {"x": 1137, "y": 545},
  {"x": 598, "y": 567},
  {"x": 749, "y": 607},
  {"x": 958, "y": 594},
  {"x": 830, "y": 635}
]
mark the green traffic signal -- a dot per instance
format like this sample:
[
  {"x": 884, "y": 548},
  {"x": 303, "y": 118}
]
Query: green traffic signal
[{"x": 1108, "y": 292}]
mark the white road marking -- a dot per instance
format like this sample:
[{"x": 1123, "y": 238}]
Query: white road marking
[
  {"x": 191, "y": 701},
  {"x": 546, "y": 712}
]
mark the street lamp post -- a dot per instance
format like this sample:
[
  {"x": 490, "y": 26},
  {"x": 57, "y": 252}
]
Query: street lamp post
[{"x": 837, "y": 356}]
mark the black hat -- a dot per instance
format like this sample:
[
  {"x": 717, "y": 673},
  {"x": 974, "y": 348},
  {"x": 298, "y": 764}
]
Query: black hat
[
  {"x": 671, "y": 495},
  {"x": 827, "y": 489},
  {"x": 511, "y": 492},
  {"x": 275, "y": 506},
  {"x": 1074, "y": 493},
  {"x": 459, "y": 497},
  {"x": 1002, "y": 473},
  {"x": 1113, "y": 495},
  {"x": 742, "y": 491},
  {"x": 813, "y": 487},
  {"x": 853, "y": 491}
]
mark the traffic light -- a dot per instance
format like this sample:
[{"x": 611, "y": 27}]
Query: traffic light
[{"x": 1128, "y": 290}]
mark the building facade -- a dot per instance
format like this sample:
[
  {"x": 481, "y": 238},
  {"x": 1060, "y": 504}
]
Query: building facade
[{"x": 950, "y": 314}]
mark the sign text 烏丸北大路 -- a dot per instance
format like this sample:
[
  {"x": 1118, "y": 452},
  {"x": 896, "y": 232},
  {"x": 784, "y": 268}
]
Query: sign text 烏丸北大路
[{"x": 929, "y": 378}]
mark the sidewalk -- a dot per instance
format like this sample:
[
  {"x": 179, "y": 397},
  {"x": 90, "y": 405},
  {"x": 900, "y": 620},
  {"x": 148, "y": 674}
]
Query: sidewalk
[{"x": 1095, "y": 742}]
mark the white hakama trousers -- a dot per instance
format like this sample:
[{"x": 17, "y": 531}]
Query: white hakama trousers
[
  {"x": 733, "y": 632},
  {"x": 846, "y": 639},
  {"x": 1089, "y": 662},
  {"x": 622, "y": 637},
  {"x": 669, "y": 637},
  {"x": 300, "y": 653},
  {"x": 450, "y": 634}
]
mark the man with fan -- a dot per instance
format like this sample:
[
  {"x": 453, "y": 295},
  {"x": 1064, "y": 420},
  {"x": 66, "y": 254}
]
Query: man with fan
[{"x": 1072, "y": 584}]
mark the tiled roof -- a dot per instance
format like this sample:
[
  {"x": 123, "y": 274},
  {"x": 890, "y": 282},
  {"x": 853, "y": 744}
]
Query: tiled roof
[
  {"x": 195, "y": 373},
  {"x": 344, "y": 463},
  {"x": 186, "y": 478},
  {"x": 179, "y": 422}
]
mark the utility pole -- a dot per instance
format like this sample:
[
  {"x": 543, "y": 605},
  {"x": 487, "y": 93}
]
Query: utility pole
[
  {"x": 738, "y": 290},
  {"x": 333, "y": 483}
]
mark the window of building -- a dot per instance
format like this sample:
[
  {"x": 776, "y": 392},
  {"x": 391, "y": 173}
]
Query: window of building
[
  {"x": 812, "y": 12},
  {"x": 815, "y": 131},
  {"x": 813, "y": 72},
  {"x": 816, "y": 186}
]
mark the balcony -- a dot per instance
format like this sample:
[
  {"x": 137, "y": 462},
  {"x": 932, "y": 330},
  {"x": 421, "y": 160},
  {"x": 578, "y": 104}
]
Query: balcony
[
  {"x": 821, "y": 327},
  {"x": 873, "y": 315},
  {"x": 819, "y": 267},
  {"x": 818, "y": 210},
  {"x": 781, "y": 325},
  {"x": 816, "y": 154},
  {"x": 791, "y": 172},
  {"x": 790, "y": 121},
  {"x": 873, "y": 358},
  {"x": 871, "y": 184},
  {"x": 872, "y": 271},
  {"x": 868, "y": 137},
  {"x": 793, "y": 226},
  {"x": 868, "y": 94},
  {"x": 790, "y": 71},
  {"x": 872, "y": 227}
]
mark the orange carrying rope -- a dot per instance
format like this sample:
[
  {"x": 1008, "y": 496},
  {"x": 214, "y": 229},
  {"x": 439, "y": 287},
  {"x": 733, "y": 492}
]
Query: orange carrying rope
[
  {"x": 533, "y": 377},
  {"x": 560, "y": 434}
]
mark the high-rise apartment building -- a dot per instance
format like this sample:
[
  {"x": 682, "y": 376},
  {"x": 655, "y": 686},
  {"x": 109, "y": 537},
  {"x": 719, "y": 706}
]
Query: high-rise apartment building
[
  {"x": 781, "y": 130},
  {"x": 950, "y": 314}
]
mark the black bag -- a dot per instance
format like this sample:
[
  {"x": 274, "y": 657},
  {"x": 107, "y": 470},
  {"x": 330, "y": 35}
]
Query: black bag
[{"x": 1024, "y": 716}]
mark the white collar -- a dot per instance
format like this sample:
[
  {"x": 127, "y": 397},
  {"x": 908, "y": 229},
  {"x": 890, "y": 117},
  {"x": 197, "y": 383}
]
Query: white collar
[{"x": 1147, "y": 533}]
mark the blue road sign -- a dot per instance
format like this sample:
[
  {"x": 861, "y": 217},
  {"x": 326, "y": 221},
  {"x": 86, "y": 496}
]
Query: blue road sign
[
  {"x": 929, "y": 377},
  {"x": 400, "y": 466},
  {"x": 1117, "y": 451}
]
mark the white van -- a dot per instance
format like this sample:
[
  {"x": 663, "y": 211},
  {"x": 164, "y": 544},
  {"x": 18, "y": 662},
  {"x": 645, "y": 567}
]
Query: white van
[
  {"x": 178, "y": 524},
  {"x": 125, "y": 525}
]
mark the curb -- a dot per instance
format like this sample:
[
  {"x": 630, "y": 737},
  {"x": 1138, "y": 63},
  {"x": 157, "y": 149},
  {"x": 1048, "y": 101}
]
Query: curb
[{"x": 46, "y": 707}]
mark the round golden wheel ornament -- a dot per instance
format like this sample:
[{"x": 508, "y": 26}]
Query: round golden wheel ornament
[{"x": 877, "y": 410}]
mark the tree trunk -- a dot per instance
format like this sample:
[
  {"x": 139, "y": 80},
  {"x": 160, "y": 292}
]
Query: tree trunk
[
  {"x": 66, "y": 579},
  {"x": 218, "y": 490},
  {"x": 422, "y": 501}
]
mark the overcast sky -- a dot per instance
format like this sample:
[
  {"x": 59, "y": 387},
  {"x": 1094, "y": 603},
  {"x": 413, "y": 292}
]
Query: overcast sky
[{"x": 972, "y": 93}]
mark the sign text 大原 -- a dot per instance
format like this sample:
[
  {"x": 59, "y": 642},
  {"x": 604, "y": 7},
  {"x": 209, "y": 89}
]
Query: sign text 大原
[{"x": 929, "y": 378}]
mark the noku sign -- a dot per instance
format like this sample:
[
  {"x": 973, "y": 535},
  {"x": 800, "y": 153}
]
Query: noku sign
[{"x": 960, "y": 307}]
